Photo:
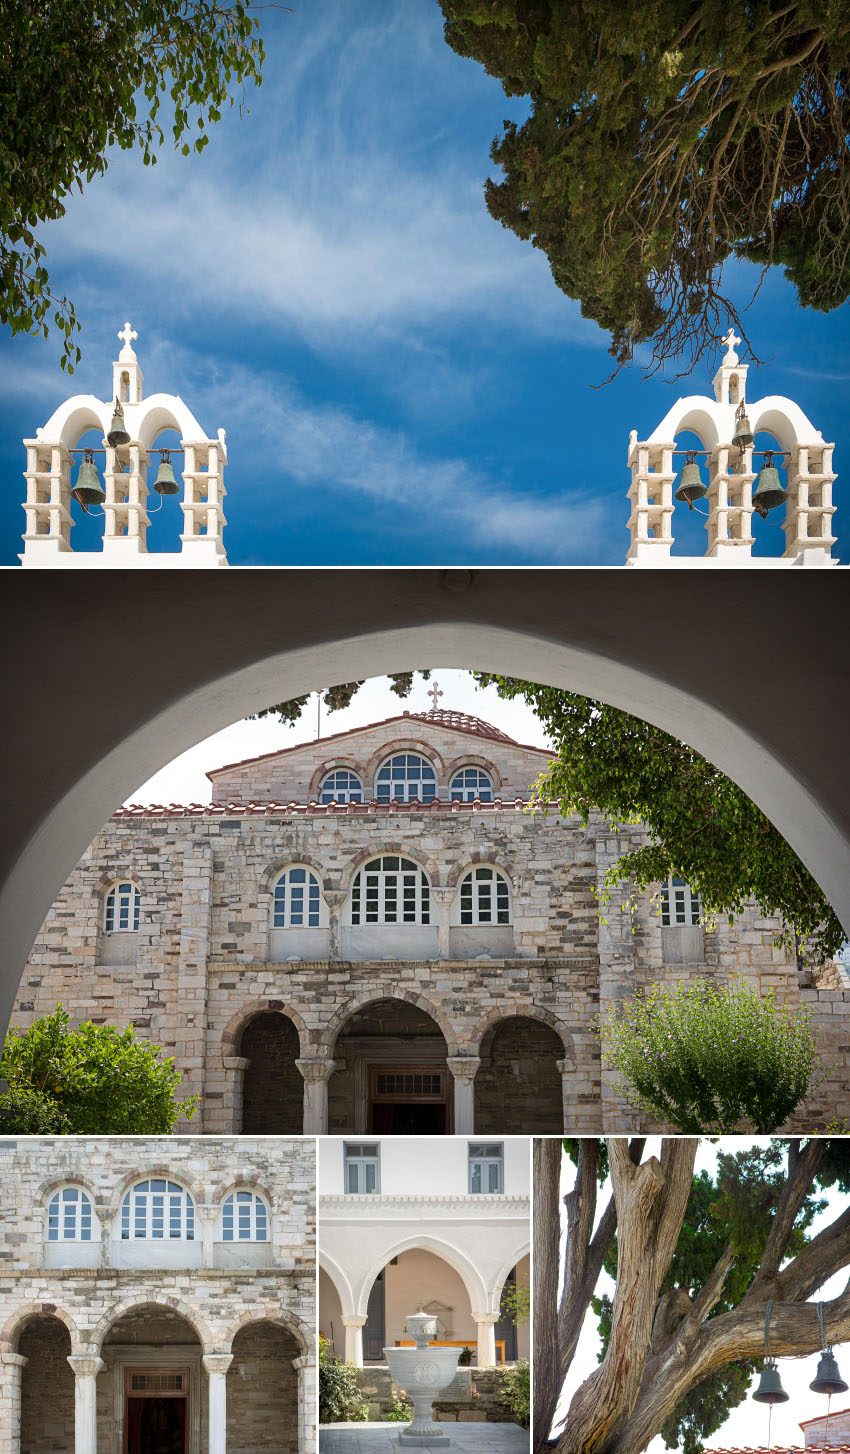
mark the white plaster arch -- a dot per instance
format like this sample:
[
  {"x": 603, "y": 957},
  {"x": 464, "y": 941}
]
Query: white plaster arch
[
  {"x": 477, "y": 1292},
  {"x": 566, "y": 629},
  {"x": 523, "y": 1250},
  {"x": 340, "y": 1281},
  {"x": 72, "y": 419},
  {"x": 783, "y": 419},
  {"x": 703, "y": 416},
  {"x": 160, "y": 412}
]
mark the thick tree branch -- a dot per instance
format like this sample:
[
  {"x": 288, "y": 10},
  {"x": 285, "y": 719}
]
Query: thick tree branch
[
  {"x": 802, "y": 1166},
  {"x": 547, "y": 1240}
]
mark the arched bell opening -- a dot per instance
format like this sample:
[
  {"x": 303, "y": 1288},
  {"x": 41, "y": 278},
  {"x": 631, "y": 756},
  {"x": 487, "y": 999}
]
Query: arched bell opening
[
  {"x": 152, "y": 1390},
  {"x": 262, "y": 1390},
  {"x": 165, "y": 489},
  {"x": 392, "y": 1076},
  {"x": 518, "y": 1088},
  {"x": 273, "y": 1089},
  {"x": 47, "y": 1386},
  {"x": 769, "y": 456},
  {"x": 417, "y": 1277},
  {"x": 689, "y": 533},
  {"x": 87, "y": 519},
  {"x": 512, "y": 1328}
]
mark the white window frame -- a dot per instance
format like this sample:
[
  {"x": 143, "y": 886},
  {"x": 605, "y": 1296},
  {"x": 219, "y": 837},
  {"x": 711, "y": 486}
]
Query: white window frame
[
  {"x": 680, "y": 905},
  {"x": 361, "y": 1157},
  {"x": 391, "y": 895},
  {"x": 485, "y": 1156},
  {"x": 350, "y": 792},
  {"x": 304, "y": 904},
  {"x": 467, "y": 784},
  {"x": 245, "y": 1214},
  {"x": 484, "y": 897},
  {"x": 156, "y": 1201},
  {"x": 404, "y": 776},
  {"x": 122, "y": 901},
  {"x": 82, "y": 1221}
]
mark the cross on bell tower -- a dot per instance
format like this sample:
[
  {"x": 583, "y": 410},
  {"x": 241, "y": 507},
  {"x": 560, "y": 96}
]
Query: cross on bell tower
[
  {"x": 435, "y": 694},
  {"x": 127, "y": 376}
]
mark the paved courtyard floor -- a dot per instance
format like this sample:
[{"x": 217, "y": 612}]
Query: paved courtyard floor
[{"x": 381, "y": 1439}]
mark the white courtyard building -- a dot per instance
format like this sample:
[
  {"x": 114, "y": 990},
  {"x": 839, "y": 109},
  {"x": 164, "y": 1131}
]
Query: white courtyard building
[
  {"x": 371, "y": 934},
  {"x": 157, "y": 1297},
  {"x": 406, "y": 1223}
]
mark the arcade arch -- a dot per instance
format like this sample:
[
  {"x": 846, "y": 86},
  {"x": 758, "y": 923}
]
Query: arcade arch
[
  {"x": 392, "y": 1075},
  {"x": 519, "y": 1081},
  {"x": 272, "y": 1087}
]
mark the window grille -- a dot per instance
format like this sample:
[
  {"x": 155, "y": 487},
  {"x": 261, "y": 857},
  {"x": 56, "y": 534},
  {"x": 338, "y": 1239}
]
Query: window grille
[
  {"x": 486, "y": 1166},
  {"x": 471, "y": 783},
  {"x": 69, "y": 1216},
  {"x": 341, "y": 786},
  {"x": 362, "y": 1166},
  {"x": 679, "y": 903},
  {"x": 157, "y": 1210},
  {"x": 404, "y": 777},
  {"x": 122, "y": 908},
  {"x": 391, "y": 890},
  {"x": 484, "y": 897},
  {"x": 244, "y": 1218},
  {"x": 297, "y": 900}
]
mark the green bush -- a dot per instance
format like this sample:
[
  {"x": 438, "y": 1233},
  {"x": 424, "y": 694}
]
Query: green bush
[
  {"x": 340, "y": 1399},
  {"x": 100, "y": 1080},
  {"x": 27, "y": 1112},
  {"x": 515, "y": 1392},
  {"x": 398, "y": 1411},
  {"x": 708, "y": 1059}
]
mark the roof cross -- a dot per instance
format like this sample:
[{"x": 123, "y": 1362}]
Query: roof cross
[
  {"x": 730, "y": 340},
  {"x": 436, "y": 694},
  {"x": 127, "y": 334}
]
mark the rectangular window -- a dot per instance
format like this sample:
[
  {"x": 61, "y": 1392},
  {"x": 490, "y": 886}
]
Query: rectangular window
[
  {"x": 486, "y": 1166},
  {"x": 362, "y": 1166}
]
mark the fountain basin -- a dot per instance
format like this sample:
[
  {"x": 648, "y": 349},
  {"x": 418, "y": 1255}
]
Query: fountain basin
[{"x": 423, "y": 1372}]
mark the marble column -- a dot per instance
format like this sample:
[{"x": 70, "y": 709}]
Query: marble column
[
  {"x": 305, "y": 1367},
  {"x": 486, "y": 1325},
  {"x": 12, "y": 1366},
  {"x": 353, "y": 1325},
  {"x": 464, "y": 1069},
  {"x": 216, "y": 1365},
  {"x": 86, "y": 1370},
  {"x": 208, "y": 1217},
  {"x": 316, "y": 1072},
  {"x": 235, "y": 1066}
]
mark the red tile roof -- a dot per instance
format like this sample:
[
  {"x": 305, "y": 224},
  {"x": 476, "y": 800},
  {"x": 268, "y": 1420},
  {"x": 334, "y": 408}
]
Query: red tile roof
[
  {"x": 784, "y": 1449},
  {"x": 332, "y": 810}
]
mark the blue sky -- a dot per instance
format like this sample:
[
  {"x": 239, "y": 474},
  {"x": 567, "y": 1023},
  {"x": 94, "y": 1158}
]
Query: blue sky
[{"x": 400, "y": 380}]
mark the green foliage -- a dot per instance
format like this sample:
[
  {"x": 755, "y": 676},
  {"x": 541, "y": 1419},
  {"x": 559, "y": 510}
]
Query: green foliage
[
  {"x": 335, "y": 698},
  {"x": 706, "y": 1059},
  {"x": 735, "y": 1205},
  {"x": 516, "y": 1303},
  {"x": 705, "y": 829},
  {"x": 80, "y": 77},
  {"x": 398, "y": 1411},
  {"x": 515, "y": 1391},
  {"x": 340, "y": 1399},
  {"x": 663, "y": 139},
  {"x": 464, "y": 1358},
  {"x": 28, "y": 1112},
  {"x": 100, "y": 1080}
]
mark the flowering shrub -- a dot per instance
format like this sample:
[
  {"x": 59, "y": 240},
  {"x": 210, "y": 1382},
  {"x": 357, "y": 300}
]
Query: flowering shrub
[
  {"x": 398, "y": 1411},
  {"x": 340, "y": 1399},
  {"x": 516, "y": 1391},
  {"x": 708, "y": 1059}
]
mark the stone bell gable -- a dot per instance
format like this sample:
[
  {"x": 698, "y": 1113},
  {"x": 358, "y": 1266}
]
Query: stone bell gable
[{"x": 448, "y": 740}]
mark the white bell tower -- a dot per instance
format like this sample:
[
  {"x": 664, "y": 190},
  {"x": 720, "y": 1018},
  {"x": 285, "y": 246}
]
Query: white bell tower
[{"x": 125, "y": 455}]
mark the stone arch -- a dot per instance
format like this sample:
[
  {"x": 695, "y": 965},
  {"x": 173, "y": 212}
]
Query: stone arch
[
  {"x": 484, "y": 857},
  {"x": 332, "y": 1030},
  {"x": 177, "y": 1305},
  {"x": 375, "y": 850},
  {"x": 332, "y": 763},
  {"x": 471, "y": 759},
  {"x": 272, "y": 1086},
  {"x": 18, "y": 1320},
  {"x": 144, "y": 1172},
  {"x": 263, "y": 1383},
  {"x": 272, "y": 1313},
  {"x": 232, "y": 1033},
  {"x": 403, "y": 744},
  {"x": 527, "y": 1011},
  {"x": 471, "y": 1278},
  {"x": 242, "y": 1183},
  {"x": 519, "y": 1084},
  {"x": 47, "y": 1386},
  {"x": 271, "y": 873}
]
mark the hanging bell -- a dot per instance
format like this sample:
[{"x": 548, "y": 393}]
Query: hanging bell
[
  {"x": 770, "y": 1390},
  {"x": 165, "y": 482},
  {"x": 768, "y": 492},
  {"x": 117, "y": 430},
  {"x": 88, "y": 490},
  {"x": 828, "y": 1379},
  {"x": 743, "y": 433},
  {"x": 691, "y": 486}
]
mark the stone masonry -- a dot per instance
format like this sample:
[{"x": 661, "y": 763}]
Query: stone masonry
[{"x": 237, "y": 1326}]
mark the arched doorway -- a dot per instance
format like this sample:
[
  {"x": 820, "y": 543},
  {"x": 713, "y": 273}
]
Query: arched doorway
[
  {"x": 262, "y": 1390},
  {"x": 47, "y": 1386},
  {"x": 152, "y": 1391},
  {"x": 273, "y": 1089},
  {"x": 393, "y": 1078},
  {"x": 417, "y": 1276},
  {"x": 518, "y": 1087}
]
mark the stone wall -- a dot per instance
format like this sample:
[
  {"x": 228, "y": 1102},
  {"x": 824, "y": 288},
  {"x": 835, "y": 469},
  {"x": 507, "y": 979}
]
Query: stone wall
[{"x": 473, "y": 1397}]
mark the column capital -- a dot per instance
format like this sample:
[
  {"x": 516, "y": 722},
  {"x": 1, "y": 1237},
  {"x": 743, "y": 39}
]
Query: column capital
[
  {"x": 305, "y": 1361},
  {"x": 463, "y": 1067},
  {"x": 353, "y": 1320},
  {"x": 235, "y": 1062},
  {"x": 217, "y": 1362},
  {"x": 206, "y": 1213},
  {"x": 14, "y": 1360},
  {"x": 316, "y": 1068},
  {"x": 443, "y": 893},
  {"x": 86, "y": 1365},
  {"x": 491, "y": 1318},
  {"x": 565, "y": 1066}
]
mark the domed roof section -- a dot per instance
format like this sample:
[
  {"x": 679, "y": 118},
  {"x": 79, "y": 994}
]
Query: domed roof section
[{"x": 443, "y": 717}]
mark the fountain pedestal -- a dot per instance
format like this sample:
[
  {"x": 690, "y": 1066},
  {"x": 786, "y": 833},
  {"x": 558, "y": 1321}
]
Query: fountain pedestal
[{"x": 423, "y": 1372}]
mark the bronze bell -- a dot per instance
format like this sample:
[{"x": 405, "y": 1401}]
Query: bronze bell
[
  {"x": 770, "y": 1390},
  {"x": 691, "y": 486},
  {"x": 743, "y": 433},
  {"x": 88, "y": 490},
  {"x": 165, "y": 482},
  {"x": 768, "y": 492},
  {"x": 828, "y": 1379},
  {"x": 117, "y": 430}
]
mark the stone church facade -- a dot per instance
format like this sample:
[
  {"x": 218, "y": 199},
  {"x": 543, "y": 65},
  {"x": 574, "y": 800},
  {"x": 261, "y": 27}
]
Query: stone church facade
[
  {"x": 157, "y": 1296},
  {"x": 371, "y": 933}
]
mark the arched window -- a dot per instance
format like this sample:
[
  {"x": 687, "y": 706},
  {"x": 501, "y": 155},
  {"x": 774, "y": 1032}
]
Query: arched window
[
  {"x": 121, "y": 910},
  {"x": 244, "y": 1218},
  {"x": 297, "y": 900},
  {"x": 341, "y": 786},
  {"x": 484, "y": 897},
  {"x": 679, "y": 903},
  {"x": 471, "y": 783},
  {"x": 157, "y": 1210},
  {"x": 405, "y": 776},
  {"x": 391, "y": 890},
  {"x": 69, "y": 1216}
]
